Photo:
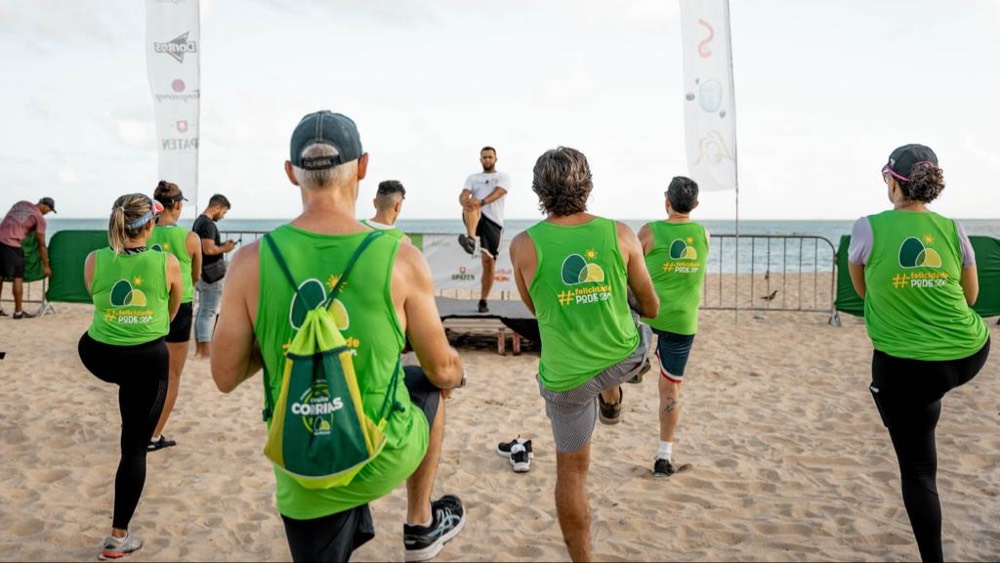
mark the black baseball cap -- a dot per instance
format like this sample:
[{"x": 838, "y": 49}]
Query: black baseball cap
[
  {"x": 903, "y": 159},
  {"x": 328, "y": 128},
  {"x": 48, "y": 201}
]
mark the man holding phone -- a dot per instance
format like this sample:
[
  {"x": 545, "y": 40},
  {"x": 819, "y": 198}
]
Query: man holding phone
[{"x": 213, "y": 269}]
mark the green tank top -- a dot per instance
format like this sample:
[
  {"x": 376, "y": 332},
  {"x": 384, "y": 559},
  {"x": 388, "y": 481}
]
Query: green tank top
[
  {"x": 365, "y": 313},
  {"x": 580, "y": 292},
  {"x": 914, "y": 305},
  {"x": 393, "y": 232},
  {"x": 676, "y": 263},
  {"x": 131, "y": 297},
  {"x": 173, "y": 239}
]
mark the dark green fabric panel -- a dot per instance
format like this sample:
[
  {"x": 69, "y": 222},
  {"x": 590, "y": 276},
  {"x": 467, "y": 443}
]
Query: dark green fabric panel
[
  {"x": 848, "y": 300},
  {"x": 32, "y": 259},
  {"x": 68, "y": 251},
  {"x": 987, "y": 251}
]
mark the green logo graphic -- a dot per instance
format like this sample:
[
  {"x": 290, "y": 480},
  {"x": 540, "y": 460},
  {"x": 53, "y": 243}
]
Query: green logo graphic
[
  {"x": 682, "y": 250},
  {"x": 124, "y": 295},
  {"x": 914, "y": 254},
  {"x": 311, "y": 294},
  {"x": 576, "y": 269}
]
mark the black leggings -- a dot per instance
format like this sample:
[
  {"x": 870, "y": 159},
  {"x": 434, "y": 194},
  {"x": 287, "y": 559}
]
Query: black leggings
[
  {"x": 141, "y": 373},
  {"x": 908, "y": 395}
]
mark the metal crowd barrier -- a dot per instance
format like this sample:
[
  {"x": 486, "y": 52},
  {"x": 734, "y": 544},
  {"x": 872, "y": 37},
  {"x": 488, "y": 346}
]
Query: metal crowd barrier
[{"x": 775, "y": 273}]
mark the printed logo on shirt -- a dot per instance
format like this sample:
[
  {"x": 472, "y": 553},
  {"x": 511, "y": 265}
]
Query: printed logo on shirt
[
  {"x": 916, "y": 253},
  {"x": 580, "y": 270},
  {"x": 311, "y": 293},
  {"x": 681, "y": 250},
  {"x": 128, "y": 301}
]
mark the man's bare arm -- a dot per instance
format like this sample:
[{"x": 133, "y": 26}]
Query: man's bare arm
[
  {"x": 193, "y": 244},
  {"x": 525, "y": 261},
  {"x": 235, "y": 356},
  {"x": 440, "y": 361},
  {"x": 209, "y": 248},
  {"x": 638, "y": 277},
  {"x": 43, "y": 253},
  {"x": 646, "y": 239},
  {"x": 496, "y": 194}
]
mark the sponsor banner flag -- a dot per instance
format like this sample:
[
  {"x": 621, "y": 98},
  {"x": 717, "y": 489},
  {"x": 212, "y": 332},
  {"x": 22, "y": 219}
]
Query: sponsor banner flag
[
  {"x": 709, "y": 104},
  {"x": 173, "y": 62},
  {"x": 453, "y": 268}
]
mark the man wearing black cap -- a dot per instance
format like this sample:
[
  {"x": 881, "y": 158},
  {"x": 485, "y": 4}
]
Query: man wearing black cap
[
  {"x": 23, "y": 218},
  {"x": 377, "y": 309}
]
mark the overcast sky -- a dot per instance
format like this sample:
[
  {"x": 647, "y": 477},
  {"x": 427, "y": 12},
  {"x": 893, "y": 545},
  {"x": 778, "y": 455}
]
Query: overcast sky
[{"x": 824, "y": 91}]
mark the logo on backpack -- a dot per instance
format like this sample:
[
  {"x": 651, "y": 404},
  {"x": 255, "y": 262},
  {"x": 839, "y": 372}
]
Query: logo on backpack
[{"x": 315, "y": 409}]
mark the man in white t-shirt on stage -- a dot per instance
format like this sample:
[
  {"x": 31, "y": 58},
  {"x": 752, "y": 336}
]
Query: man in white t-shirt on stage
[{"x": 482, "y": 212}]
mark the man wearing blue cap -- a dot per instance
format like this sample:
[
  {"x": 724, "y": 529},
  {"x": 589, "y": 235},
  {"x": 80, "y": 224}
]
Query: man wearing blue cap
[
  {"x": 22, "y": 219},
  {"x": 379, "y": 308}
]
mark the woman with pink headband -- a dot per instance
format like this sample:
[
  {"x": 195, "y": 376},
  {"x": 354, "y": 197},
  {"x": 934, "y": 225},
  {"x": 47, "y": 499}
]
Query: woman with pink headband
[{"x": 916, "y": 272}]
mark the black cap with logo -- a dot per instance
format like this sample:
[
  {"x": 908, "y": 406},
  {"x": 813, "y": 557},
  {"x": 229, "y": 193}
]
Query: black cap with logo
[
  {"x": 328, "y": 128},
  {"x": 48, "y": 201}
]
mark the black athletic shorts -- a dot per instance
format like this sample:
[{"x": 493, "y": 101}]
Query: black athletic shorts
[
  {"x": 11, "y": 262},
  {"x": 180, "y": 327},
  {"x": 489, "y": 234},
  {"x": 336, "y": 536}
]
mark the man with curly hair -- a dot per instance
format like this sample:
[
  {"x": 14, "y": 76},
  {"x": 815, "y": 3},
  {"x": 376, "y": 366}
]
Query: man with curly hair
[{"x": 573, "y": 271}]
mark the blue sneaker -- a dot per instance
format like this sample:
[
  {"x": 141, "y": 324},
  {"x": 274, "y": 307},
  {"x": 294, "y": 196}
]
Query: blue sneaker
[{"x": 423, "y": 543}]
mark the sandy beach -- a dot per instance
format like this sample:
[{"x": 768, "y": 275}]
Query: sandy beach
[{"x": 790, "y": 460}]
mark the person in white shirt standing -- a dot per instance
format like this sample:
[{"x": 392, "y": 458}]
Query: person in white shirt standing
[{"x": 482, "y": 212}]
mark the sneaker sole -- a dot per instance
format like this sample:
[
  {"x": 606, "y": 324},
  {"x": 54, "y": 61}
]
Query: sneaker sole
[
  {"x": 431, "y": 551},
  {"x": 521, "y": 467},
  {"x": 610, "y": 421}
]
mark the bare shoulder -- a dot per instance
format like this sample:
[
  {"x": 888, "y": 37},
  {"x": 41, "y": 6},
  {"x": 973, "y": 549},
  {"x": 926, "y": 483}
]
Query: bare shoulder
[
  {"x": 246, "y": 259},
  {"x": 522, "y": 245},
  {"x": 623, "y": 229}
]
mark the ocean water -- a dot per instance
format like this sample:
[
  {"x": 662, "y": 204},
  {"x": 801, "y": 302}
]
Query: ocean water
[
  {"x": 831, "y": 230},
  {"x": 765, "y": 245}
]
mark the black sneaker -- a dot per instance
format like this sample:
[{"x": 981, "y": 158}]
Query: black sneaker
[
  {"x": 163, "y": 442},
  {"x": 611, "y": 413},
  {"x": 663, "y": 468},
  {"x": 483, "y": 307},
  {"x": 3, "y": 313},
  {"x": 520, "y": 461},
  {"x": 503, "y": 448},
  {"x": 23, "y": 315},
  {"x": 467, "y": 243},
  {"x": 423, "y": 543}
]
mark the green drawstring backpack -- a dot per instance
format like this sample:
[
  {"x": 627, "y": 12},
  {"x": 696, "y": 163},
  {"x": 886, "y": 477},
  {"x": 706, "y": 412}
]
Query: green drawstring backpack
[{"x": 319, "y": 433}]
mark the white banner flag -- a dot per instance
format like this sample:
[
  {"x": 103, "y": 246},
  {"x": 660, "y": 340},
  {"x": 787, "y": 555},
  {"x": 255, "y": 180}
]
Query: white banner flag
[
  {"x": 453, "y": 268},
  {"x": 173, "y": 62},
  {"x": 709, "y": 105}
]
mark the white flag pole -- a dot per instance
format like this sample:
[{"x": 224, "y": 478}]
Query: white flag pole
[
  {"x": 736, "y": 167},
  {"x": 709, "y": 107}
]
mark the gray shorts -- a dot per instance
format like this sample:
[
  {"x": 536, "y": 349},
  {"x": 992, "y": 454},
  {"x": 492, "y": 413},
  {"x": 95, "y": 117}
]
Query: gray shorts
[{"x": 573, "y": 413}]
